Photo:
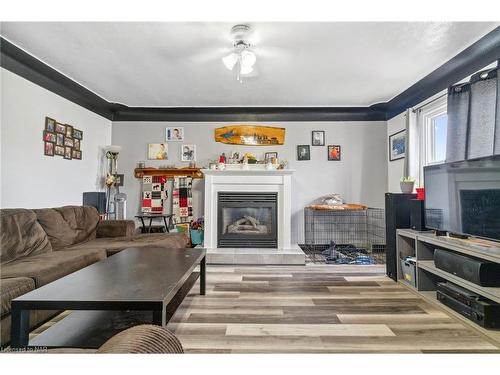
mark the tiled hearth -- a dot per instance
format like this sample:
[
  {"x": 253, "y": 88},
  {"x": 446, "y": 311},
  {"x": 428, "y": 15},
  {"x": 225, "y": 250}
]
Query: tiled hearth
[{"x": 255, "y": 180}]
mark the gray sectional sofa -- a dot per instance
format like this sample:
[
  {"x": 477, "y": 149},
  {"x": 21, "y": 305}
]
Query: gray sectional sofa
[{"x": 42, "y": 245}]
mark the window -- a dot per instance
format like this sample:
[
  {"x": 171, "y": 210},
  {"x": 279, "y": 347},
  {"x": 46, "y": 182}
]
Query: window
[{"x": 432, "y": 123}]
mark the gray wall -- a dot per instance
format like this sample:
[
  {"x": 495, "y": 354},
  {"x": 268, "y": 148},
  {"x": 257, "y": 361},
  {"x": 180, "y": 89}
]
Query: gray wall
[
  {"x": 360, "y": 177},
  {"x": 29, "y": 178}
]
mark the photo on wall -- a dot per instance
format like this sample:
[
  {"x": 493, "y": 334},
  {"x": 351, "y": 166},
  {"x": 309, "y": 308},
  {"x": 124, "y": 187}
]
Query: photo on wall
[
  {"x": 59, "y": 150},
  {"x": 157, "y": 151},
  {"x": 49, "y": 148},
  {"x": 60, "y": 128},
  {"x": 49, "y": 137},
  {"x": 334, "y": 153},
  {"x": 303, "y": 152},
  {"x": 174, "y": 134},
  {"x": 50, "y": 124},
  {"x": 59, "y": 139},
  {"x": 397, "y": 145},
  {"x": 318, "y": 138},
  {"x": 188, "y": 153},
  {"x": 69, "y": 131}
]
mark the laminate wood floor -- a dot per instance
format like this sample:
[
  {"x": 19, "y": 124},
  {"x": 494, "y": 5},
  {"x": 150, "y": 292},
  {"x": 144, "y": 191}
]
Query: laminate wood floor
[{"x": 316, "y": 309}]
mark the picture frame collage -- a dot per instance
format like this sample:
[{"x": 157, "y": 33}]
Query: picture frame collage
[
  {"x": 334, "y": 152},
  {"x": 160, "y": 151},
  {"x": 62, "y": 140}
]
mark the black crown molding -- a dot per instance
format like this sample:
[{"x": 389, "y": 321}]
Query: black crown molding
[
  {"x": 23, "y": 64},
  {"x": 250, "y": 114},
  {"x": 483, "y": 52},
  {"x": 475, "y": 57}
]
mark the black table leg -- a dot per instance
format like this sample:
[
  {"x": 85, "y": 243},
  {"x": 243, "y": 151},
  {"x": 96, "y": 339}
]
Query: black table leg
[
  {"x": 203, "y": 276},
  {"x": 19, "y": 334},
  {"x": 150, "y": 222},
  {"x": 166, "y": 225},
  {"x": 143, "y": 225},
  {"x": 157, "y": 317}
]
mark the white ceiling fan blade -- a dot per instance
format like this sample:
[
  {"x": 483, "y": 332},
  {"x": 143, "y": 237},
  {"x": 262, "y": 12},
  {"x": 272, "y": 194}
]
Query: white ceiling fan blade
[
  {"x": 209, "y": 55},
  {"x": 267, "y": 51}
]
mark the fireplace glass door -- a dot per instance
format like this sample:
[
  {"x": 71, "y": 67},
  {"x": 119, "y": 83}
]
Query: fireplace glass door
[{"x": 247, "y": 220}]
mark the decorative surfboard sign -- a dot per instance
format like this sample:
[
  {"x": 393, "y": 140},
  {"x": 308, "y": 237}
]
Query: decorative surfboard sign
[{"x": 250, "y": 135}]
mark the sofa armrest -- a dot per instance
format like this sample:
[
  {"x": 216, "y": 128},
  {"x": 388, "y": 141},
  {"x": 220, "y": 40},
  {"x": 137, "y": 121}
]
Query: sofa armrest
[{"x": 115, "y": 228}]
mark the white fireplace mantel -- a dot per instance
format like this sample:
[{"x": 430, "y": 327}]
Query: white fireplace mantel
[{"x": 254, "y": 179}]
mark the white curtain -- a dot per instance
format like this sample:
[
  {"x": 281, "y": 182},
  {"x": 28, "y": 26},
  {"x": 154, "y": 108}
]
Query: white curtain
[{"x": 412, "y": 160}]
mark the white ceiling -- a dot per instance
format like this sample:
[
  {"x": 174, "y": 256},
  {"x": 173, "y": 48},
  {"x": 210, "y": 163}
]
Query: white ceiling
[{"x": 299, "y": 64}]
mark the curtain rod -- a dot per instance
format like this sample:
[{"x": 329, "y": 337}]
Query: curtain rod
[{"x": 415, "y": 109}]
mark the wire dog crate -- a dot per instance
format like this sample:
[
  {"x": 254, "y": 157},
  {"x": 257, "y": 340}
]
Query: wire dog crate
[{"x": 361, "y": 231}]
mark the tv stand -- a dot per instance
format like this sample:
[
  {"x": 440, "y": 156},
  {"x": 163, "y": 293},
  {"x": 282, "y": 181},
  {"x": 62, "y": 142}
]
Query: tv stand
[{"x": 421, "y": 245}]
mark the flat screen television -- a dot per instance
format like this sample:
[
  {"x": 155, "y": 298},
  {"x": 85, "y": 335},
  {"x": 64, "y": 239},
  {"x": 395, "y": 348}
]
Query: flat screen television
[{"x": 464, "y": 197}]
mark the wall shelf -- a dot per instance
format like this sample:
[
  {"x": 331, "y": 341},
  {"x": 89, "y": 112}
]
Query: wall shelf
[
  {"x": 422, "y": 245},
  {"x": 169, "y": 172}
]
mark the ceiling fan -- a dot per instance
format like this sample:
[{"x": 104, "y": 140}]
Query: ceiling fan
[
  {"x": 242, "y": 58},
  {"x": 241, "y": 49}
]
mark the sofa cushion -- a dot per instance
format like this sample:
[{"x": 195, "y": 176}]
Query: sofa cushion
[
  {"x": 68, "y": 225},
  {"x": 11, "y": 288},
  {"x": 116, "y": 244},
  {"x": 21, "y": 235},
  {"x": 45, "y": 268}
]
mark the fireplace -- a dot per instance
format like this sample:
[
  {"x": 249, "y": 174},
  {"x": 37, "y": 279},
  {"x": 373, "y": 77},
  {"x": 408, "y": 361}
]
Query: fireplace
[{"x": 247, "y": 219}]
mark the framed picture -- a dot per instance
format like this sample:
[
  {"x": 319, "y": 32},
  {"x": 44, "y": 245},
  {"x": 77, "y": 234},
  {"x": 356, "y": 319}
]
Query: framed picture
[
  {"x": 188, "y": 153},
  {"x": 174, "y": 134},
  {"x": 397, "y": 145},
  {"x": 75, "y": 154},
  {"x": 68, "y": 142},
  {"x": 303, "y": 152},
  {"x": 334, "y": 152},
  {"x": 119, "y": 179},
  {"x": 76, "y": 144},
  {"x": 59, "y": 150},
  {"x": 77, "y": 134},
  {"x": 49, "y": 137},
  {"x": 50, "y": 124},
  {"x": 157, "y": 151},
  {"x": 269, "y": 156},
  {"x": 60, "y": 128},
  {"x": 318, "y": 138},
  {"x": 59, "y": 139},
  {"x": 48, "y": 148},
  {"x": 69, "y": 131},
  {"x": 68, "y": 153}
]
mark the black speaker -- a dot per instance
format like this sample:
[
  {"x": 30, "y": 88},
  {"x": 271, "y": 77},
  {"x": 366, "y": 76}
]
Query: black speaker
[
  {"x": 95, "y": 199},
  {"x": 417, "y": 216},
  {"x": 477, "y": 271},
  {"x": 397, "y": 215}
]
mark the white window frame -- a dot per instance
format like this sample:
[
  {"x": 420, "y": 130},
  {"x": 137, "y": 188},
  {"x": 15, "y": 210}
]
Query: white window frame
[{"x": 425, "y": 114}]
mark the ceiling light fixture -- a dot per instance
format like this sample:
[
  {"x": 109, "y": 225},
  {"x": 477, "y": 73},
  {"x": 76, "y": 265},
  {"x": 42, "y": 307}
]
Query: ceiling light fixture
[{"x": 242, "y": 58}]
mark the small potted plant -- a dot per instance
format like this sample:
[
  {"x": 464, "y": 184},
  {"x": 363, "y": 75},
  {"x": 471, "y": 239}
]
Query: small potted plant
[
  {"x": 407, "y": 184},
  {"x": 196, "y": 231}
]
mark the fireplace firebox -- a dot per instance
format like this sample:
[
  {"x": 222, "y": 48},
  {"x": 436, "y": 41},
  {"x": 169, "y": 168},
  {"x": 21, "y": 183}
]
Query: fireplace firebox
[{"x": 247, "y": 220}]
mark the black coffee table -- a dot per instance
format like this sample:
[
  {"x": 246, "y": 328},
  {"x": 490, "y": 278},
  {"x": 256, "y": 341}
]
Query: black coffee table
[{"x": 148, "y": 280}]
